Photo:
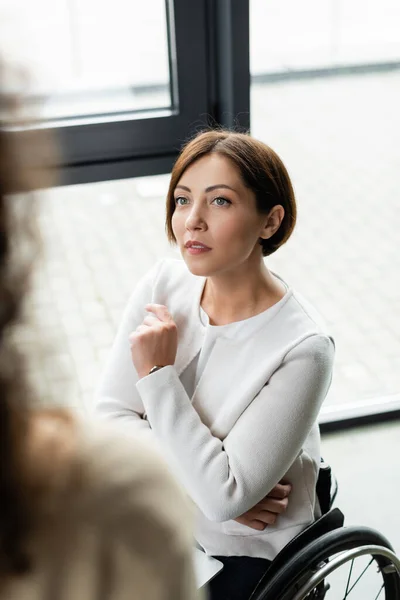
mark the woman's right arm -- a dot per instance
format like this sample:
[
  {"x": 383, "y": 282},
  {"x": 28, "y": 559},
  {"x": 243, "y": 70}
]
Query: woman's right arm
[{"x": 116, "y": 396}]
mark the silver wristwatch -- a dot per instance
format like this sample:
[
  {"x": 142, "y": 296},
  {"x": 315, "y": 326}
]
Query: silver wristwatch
[{"x": 155, "y": 368}]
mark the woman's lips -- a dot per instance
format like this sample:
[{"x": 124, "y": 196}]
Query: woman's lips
[
  {"x": 198, "y": 249},
  {"x": 194, "y": 247}
]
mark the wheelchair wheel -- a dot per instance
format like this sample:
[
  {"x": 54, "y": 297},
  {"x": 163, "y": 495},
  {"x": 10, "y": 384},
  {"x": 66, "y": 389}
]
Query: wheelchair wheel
[{"x": 352, "y": 562}]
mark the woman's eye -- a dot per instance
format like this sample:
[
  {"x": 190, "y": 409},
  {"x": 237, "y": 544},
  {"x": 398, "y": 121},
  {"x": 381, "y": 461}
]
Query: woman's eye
[
  {"x": 221, "y": 201},
  {"x": 181, "y": 201}
]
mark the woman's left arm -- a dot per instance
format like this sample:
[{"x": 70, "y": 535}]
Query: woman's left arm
[{"x": 226, "y": 478}]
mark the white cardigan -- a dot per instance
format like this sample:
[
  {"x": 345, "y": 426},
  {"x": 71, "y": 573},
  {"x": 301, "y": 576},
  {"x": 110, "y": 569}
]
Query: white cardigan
[{"x": 251, "y": 420}]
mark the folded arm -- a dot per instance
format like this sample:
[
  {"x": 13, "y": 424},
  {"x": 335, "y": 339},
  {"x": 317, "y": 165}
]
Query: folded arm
[{"x": 226, "y": 478}]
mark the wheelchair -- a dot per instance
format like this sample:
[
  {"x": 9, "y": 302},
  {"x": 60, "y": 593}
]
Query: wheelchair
[{"x": 328, "y": 561}]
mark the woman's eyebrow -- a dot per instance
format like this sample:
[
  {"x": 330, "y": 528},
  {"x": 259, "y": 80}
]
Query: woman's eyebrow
[
  {"x": 208, "y": 189},
  {"x": 218, "y": 186}
]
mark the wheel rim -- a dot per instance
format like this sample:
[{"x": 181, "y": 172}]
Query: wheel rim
[
  {"x": 298, "y": 570},
  {"x": 349, "y": 556}
]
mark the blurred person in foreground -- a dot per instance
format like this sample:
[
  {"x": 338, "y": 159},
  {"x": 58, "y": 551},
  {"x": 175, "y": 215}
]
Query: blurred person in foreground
[{"x": 84, "y": 513}]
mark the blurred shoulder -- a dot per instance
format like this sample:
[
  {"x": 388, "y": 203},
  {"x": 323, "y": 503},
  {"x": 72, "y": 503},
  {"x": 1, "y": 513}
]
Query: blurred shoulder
[
  {"x": 125, "y": 474},
  {"x": 105, "y": 491}
]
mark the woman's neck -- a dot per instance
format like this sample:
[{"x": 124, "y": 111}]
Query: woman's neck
[{"x": 240, "y": 294}]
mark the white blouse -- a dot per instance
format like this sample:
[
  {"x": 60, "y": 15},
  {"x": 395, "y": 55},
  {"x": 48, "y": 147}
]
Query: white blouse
[{"x": 234, "y": 331}]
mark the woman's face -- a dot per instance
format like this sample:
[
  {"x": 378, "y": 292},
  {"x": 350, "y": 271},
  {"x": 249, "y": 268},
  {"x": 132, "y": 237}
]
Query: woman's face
[{"x": 216, "y": 222}]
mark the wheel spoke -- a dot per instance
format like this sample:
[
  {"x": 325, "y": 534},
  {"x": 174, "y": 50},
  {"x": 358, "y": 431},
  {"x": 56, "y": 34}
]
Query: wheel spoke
[
  {"x": 349, "y": 578},
  {"x": 358, "y": 578},
  {"x": 379, "y": 593}
]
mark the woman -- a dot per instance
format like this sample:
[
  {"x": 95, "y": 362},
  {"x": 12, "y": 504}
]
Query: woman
[
  {"x": 229, "y": 367},
  {"x": 84, "y": 513}
]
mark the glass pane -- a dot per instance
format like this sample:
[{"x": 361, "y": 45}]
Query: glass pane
[
  {"x": 86, "y": 57},
  {"x": 98, "y": 241},
  {"x": 338, "y": 136},
  {"x": 287, "y": 35}
]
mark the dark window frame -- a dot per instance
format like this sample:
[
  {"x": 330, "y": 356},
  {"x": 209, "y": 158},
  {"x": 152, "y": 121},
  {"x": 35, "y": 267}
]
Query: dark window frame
[{"x": 209, "y": 85}]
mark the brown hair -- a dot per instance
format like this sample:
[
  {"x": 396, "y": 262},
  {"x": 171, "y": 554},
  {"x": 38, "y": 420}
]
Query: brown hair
[
  {"x": 261, "y": 170},
  {"x": 19, "y": 247},
  {"x": 14, "y": 388}
]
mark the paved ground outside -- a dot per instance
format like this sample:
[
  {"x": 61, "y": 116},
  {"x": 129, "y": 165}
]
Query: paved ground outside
[{"x": 339, "y": 140}]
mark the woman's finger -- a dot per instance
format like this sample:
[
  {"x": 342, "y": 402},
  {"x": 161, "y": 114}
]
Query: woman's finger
[
  {"x": 253, "y": 523},
  {"x": 141, "y": 328},
  {"x": 263, "y": 516},
  {"x": 274, "y": 506},
  {"x": 281, "y": 490},
  {"x": 160, "y": 311},
  {"x": 256, "y": 524},
  {"x": 150, "y": 320},
  {"x": 266, "y": 517}
]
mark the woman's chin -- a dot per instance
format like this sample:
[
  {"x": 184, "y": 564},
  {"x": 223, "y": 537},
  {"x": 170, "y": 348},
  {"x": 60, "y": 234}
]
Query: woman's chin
[
  {"x": 197, "y": 267},
  {"x": 198, "y": 270}
]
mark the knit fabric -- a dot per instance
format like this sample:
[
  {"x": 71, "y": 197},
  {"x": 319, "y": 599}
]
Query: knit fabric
[{"x": 250, "y": 420}]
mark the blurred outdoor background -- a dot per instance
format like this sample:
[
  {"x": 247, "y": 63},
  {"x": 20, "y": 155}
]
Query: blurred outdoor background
[{"x": 325, "y": 94}]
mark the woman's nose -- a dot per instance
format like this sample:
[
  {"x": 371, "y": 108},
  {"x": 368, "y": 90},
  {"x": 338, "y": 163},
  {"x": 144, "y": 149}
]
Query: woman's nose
[{"x": 195, "y": 220}]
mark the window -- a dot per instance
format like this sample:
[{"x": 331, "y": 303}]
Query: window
[
  {"x": 325, "y": 94},
  {"x": 124, "y": 84}
]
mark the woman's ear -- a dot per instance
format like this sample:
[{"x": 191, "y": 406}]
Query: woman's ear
[{"x": 272, "y": 222}]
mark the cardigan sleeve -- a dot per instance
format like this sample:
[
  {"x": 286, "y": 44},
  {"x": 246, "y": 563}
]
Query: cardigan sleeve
[
  {"x": 116, "y": 396},
  {"x": 225, "y": 478}
]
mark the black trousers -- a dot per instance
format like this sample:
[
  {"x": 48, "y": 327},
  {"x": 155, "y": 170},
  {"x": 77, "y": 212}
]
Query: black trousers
[{"x": 238, "y": 579}]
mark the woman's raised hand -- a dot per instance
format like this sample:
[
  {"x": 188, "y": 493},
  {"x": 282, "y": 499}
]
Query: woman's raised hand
[{"x": 155, "y": 341}]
